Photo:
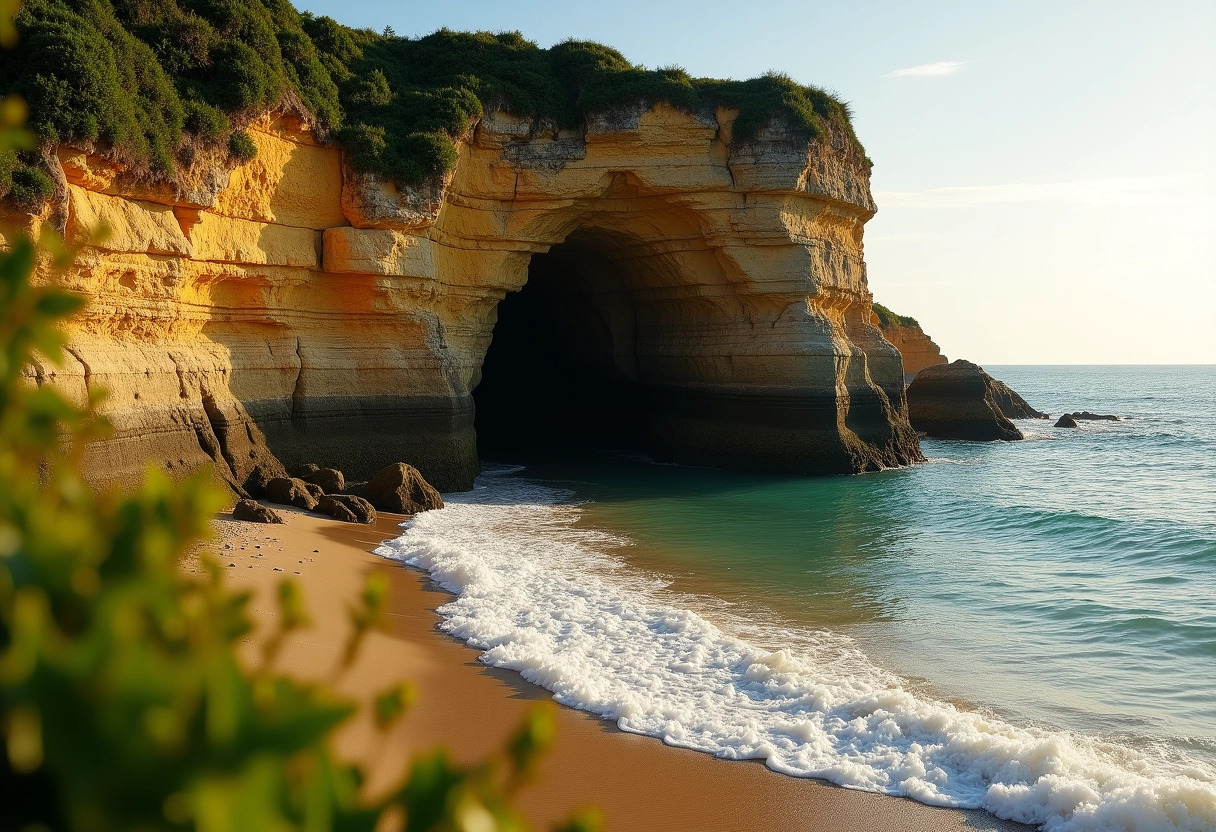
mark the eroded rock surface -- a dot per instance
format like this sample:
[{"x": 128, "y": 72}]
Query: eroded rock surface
[
  {"x": 254, "y": 512},
  {"x": 291, "y": 492},
  {"x": 958, "y": 401},
  {"x": 917, "y": 349},
  {"x": 329, "y": 480},
  {"x": 363, "y": 511},
  {"x": 336, "y": 509},
  {"x": 289, "y": 309},
  {"x": 1013, "y": 405},
  {"x": 1094, "y": 417},
  {"x": 401, "y": 489}
]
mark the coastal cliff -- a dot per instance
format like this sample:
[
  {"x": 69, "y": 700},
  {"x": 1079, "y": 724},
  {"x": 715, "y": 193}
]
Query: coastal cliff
[
  {"x": 904, "y": 333},
  {"x": 336, "y": 246},
  {"x": 346, "y": 320}
]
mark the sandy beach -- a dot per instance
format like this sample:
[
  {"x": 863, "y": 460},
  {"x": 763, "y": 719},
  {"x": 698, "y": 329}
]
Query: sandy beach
[{"x": 638, "y": 783}]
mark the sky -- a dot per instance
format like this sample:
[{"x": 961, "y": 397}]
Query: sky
[{"x": 1045, "y": 172}]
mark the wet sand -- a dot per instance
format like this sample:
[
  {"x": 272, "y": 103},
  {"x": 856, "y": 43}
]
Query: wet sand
[{"x": 636, "y": 782}]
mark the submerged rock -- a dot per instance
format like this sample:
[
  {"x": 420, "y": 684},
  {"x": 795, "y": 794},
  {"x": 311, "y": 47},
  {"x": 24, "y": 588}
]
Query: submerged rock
[
  {"x": 400, "y": 489},
  {"x": 1085, "y": 415},
  {"x": 1066, "y": 421},
  {"x": 958, "y": 401},
  {"x": 253, "y": 512}
]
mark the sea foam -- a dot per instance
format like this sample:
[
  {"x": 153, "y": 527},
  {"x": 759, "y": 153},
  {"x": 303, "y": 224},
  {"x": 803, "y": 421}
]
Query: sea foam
[{"x": 541, "y": 595}]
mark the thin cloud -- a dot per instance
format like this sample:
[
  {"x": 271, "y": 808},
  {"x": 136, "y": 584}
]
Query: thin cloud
[
  {"x": 933, "y": 70},
  {"x": 1114, "y": 192}
]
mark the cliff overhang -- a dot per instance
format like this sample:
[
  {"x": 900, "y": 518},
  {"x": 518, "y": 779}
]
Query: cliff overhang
[{"x": 335, "y": 317}]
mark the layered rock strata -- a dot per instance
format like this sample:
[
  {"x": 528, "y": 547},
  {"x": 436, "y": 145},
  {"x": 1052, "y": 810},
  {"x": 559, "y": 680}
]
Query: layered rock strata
[
  {"x": 291, "y": 308},
  {"x": 917, "y": 349}
]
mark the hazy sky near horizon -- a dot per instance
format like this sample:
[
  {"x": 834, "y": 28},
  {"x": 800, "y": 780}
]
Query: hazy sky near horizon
[{"x": 1045, "y": 171}]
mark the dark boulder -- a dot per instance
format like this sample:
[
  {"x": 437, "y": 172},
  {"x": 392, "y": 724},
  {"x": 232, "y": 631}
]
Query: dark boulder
[
  {"x": 261, "y": 474},
  {"x": 316, "y": 491},
  {"x": 336, "y": 509},
  {"x": 958, "y": 401},
  {"x": 400, "y": 489},
  {"x": 1012, "y": 405},
  {"x": 252, "y": 512},
  {"x": 330, "y": 479},
  {"x": 304, "y": 470},
  {"x": 1085, "y": 415},
  {"x": 1066, "y": 421},
  {"x": 291, "y": 492},
  {"x": 363, "y": 510}
]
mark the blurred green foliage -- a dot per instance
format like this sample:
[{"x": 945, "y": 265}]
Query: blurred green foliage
[
  {"x": 144, "y": 79},
  {"x": 888, "y": 318},
  {"x": 123, "y": 705}
]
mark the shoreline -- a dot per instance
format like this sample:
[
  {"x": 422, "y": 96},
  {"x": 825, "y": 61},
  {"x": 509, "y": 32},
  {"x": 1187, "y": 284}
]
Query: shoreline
[{"x": 636, "y": 781}]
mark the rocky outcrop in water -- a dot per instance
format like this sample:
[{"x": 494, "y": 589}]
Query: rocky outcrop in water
[
  {"x": 958, "y": 401},
  {"x": 1012, "y": 405},
  {"x": 290, "y": 309},
  {"x": 1085, "y": 415},
  {"x": 1066, "y": 421}
]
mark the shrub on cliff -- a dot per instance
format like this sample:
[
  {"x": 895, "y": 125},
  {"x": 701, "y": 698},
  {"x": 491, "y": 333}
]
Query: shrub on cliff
[
  {"x": 888, "y": 318},
  {"x": 241, "y": 146},
  {"x": 140, "y": 80}
]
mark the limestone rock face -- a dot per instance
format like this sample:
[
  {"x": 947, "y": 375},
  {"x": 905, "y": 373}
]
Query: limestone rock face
[
  {"x": 958, "y": 401},
  {"x": 291, "y": 309},
  {"x": 916, "y": 348}
]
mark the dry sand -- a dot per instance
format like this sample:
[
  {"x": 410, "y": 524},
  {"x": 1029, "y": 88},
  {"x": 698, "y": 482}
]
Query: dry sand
[{"x": 638, "y": 783}]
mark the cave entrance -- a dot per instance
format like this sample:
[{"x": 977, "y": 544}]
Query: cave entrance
[{"x": 561, "y": 369}]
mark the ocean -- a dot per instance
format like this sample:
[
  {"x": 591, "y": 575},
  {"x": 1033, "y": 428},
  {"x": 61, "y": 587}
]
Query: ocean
[{"x": 1027, "y": 628}]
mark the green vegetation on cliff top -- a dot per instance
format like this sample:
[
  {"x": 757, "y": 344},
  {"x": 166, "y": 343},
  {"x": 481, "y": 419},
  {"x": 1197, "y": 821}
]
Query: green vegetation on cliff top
[
  {"x": 888, "y": 318},
  {"x": 148, "y": 82}
]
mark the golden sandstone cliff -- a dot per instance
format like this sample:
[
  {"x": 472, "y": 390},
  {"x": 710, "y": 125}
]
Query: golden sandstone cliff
[
  {"x": 290, "y": 304},
  {"x": 918, "y": 349}
]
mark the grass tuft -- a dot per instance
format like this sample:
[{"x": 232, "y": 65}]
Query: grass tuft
[{"x": 888, "y": 318}]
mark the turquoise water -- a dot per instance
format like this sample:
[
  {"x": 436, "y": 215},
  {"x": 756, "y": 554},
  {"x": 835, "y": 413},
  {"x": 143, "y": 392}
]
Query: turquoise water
[{"x": 1066, "y": 582}]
